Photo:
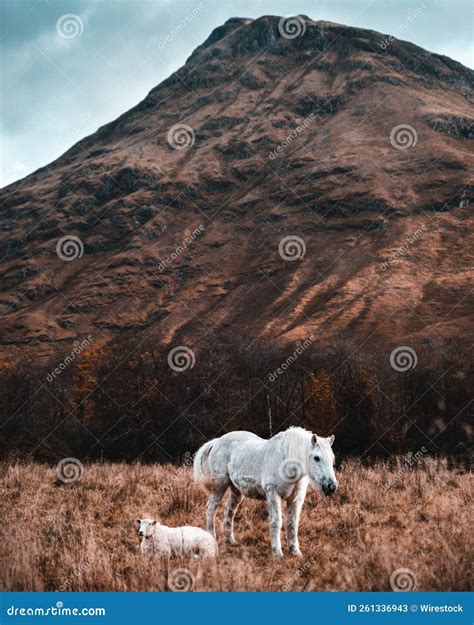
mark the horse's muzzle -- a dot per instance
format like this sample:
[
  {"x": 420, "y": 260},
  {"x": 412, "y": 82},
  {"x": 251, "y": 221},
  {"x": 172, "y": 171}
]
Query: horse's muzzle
[{"x": 329, "y": 489}]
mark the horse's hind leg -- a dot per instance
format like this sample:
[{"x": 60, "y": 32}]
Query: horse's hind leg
[
  {"x": 212, "y": 504},
  {"x": 231, "y": 506}
]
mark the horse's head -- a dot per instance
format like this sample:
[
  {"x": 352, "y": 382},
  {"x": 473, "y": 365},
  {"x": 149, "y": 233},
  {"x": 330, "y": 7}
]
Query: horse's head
[
  {"x": 145, "y": 527},
  {"x": 321, "y": 464}
]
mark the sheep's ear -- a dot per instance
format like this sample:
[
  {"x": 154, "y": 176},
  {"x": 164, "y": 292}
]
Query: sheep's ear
[
  {"x": 314, "y": 440},
  {"x": 331, "y": 439},
  {"x": 139, "y": 521},
  {"x": 153, "y": 522}
]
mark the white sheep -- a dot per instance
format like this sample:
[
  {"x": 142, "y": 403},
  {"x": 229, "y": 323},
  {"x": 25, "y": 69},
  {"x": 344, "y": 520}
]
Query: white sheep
[{"x": 175, "y": 541}]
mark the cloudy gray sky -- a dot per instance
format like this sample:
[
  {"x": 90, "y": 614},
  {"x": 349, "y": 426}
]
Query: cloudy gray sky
[{"x": 57, "y": 88}]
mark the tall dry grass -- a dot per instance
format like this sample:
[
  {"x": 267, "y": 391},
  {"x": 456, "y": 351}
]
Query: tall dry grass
[{"x": 82, "y": 536}]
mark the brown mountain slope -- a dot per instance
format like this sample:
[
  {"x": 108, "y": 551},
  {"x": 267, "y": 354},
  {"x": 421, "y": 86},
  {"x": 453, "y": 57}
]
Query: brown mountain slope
[{"x": 290, "y": 137}]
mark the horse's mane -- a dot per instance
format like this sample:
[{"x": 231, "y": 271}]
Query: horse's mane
[{"x": 296, "y": 443}]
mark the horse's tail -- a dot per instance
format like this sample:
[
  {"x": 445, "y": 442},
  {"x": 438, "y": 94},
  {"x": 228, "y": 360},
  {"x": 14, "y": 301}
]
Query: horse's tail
[{"x": 201, "y": 467}]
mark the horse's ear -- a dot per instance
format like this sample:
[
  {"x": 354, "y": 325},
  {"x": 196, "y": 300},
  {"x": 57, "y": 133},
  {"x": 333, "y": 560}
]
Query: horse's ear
[
  {"x": 314, "y": 440},
  {"x": 331, "y": 439}
]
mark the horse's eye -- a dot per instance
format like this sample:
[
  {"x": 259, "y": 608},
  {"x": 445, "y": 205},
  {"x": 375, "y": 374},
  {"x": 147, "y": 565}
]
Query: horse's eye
[{"x": 317, "y": 458}]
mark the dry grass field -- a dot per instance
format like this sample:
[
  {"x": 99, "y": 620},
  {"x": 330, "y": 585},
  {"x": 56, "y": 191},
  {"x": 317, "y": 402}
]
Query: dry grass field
[{"x": 82, "y": 535}]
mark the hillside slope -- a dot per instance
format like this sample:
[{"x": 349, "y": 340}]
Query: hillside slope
[{"x": 179, "y": 230}]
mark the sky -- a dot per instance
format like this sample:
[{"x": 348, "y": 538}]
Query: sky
[{"x": 69, "y": 66}]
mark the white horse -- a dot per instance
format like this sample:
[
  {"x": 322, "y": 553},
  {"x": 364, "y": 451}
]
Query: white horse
[{"x": 274, "y": 469}]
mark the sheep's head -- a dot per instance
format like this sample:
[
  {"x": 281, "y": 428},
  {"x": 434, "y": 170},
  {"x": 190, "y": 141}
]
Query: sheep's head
[{"x": 145, "y": 527}]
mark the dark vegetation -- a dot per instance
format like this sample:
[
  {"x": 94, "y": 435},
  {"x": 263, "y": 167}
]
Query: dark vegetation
[{"x": 120, "y": 402}]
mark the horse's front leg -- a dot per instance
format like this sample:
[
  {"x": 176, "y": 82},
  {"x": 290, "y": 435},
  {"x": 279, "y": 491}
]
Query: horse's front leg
[
  {"x": 293, "y": 512},
  {"x": 275, "y": 521}
]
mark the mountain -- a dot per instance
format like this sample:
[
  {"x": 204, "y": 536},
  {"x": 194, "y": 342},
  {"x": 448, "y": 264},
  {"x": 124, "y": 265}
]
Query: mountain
[{"x": 291, "y": 179}]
